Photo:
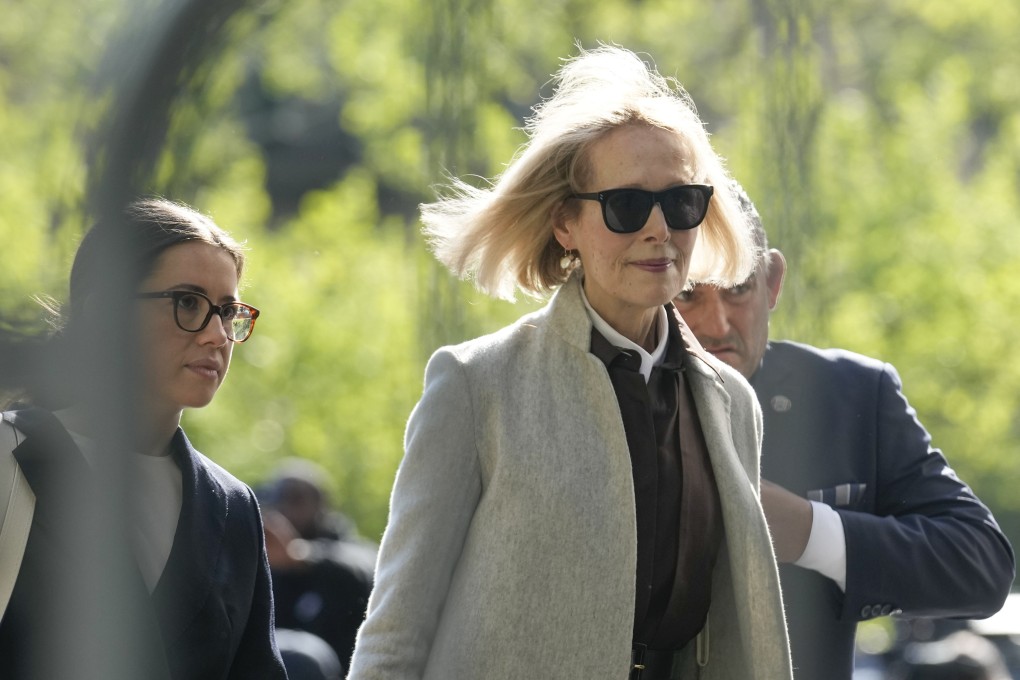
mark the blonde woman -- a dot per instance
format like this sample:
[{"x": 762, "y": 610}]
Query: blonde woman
[{"x": 578, "y": 496}]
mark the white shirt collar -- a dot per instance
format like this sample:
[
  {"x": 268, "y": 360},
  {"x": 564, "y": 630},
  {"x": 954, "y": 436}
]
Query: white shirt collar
[{"x": 618, "y": 340}]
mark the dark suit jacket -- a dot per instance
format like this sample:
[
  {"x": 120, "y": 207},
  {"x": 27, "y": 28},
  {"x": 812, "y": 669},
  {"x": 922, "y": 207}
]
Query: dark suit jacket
[
  {"x": 919, "y": 542},
  {"x": 211, "y": 614}
]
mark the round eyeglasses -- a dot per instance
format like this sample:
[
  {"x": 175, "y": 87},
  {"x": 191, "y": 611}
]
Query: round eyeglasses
[
  {"x": 625, "y": 211},
  {"x": 193, "y": 310}
]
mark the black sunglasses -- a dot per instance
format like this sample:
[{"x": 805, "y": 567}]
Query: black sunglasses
[
  {"x": 193, "y": 310},
  {"x": 625, "y": 211}
]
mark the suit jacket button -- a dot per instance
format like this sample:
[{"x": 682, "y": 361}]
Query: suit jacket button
[
  {"x": 866, "y": 612},
  {"x": 886, "y": 610}
]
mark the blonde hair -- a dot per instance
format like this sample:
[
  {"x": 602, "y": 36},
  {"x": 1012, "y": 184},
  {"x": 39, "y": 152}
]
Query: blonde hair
[{"x": 502, "y": 235}]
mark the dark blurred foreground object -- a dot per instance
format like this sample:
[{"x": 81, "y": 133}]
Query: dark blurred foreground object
[{"x": 159, "y": 54}]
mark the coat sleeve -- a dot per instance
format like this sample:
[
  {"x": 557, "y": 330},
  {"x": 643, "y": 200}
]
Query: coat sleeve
[
  {"x": 257, "y": 656},
  {"x": 940, "y": 551},
  {"x": 436, "y": 492}
]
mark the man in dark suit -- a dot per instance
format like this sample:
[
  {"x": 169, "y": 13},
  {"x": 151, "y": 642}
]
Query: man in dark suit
[{"x": 867, "y": 518}]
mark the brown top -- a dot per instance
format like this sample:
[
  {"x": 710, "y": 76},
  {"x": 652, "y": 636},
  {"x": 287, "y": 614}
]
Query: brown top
[{"x": 679, "y": 521}]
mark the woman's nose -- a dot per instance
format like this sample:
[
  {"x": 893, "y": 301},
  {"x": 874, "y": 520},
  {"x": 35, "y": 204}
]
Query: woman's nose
[
  {"x": 655, "y": 226},
  {"x": 215, "y": 332}
]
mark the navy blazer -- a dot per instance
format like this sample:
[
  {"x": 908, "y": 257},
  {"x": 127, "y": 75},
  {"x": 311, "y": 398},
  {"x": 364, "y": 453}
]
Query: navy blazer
[
  {"x": 918, "y": 541},
  {"x": 210, "y": 616}
]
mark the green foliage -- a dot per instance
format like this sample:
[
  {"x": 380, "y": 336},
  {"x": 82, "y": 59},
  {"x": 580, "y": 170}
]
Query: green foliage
[
  {"x": 881, "y": 143},
  {"x": 332, "y": 370}
]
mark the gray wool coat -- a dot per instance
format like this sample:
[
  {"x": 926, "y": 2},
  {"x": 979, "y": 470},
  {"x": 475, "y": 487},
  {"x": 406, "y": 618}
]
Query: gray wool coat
[{"x": 510, "y": 551}]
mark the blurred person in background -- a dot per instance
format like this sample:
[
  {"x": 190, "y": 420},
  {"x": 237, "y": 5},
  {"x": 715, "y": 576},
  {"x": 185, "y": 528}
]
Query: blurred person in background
[
  {"x": 322, "y": 570},
  {"x": 867, "y": 517},
  {"x": 578, "y": 495},
  {"x": 142, "y": 558}
]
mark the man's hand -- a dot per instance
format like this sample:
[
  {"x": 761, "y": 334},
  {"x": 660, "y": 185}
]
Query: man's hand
[{"x": 789, "y": 518}]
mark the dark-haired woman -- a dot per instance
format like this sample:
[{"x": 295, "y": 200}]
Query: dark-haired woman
[{"x": 144, "y": 559}]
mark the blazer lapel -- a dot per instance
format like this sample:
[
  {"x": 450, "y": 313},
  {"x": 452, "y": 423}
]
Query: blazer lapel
[{"x": 189, "y": 574}]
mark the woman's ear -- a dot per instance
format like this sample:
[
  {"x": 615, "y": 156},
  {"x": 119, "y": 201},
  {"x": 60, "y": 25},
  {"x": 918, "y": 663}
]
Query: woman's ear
[{"x": 563, "y": 222}]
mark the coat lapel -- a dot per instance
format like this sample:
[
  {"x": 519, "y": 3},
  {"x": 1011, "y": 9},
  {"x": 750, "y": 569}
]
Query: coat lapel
[
  {"x": 746, "y": 598},
  {"x": 567, "y": 316},
  {"x": 737, "y": 476}
]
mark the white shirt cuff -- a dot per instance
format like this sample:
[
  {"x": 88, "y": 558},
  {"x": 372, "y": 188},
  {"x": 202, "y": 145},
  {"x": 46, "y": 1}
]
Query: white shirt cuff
[{"x": 826, "y": 546}]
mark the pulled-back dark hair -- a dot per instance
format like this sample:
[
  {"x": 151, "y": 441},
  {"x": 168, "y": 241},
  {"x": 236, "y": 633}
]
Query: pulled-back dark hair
[
  {"x": 113, "y": 258},
  {"x": 132, "y": 244}
]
